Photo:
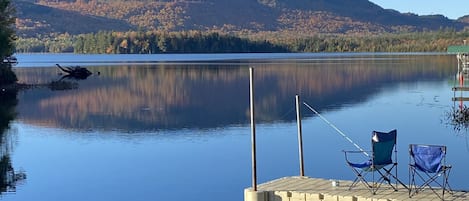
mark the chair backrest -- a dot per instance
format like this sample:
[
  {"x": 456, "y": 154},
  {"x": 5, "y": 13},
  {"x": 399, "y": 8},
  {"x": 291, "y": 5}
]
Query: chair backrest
[
  {"x": 427, "y": 158},
  {"x": 383, "y": 145}
]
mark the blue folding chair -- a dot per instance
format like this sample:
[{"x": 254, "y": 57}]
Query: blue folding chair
[
  {"x": 379, "y": 162},
  {"x": 428, "y": 167}
]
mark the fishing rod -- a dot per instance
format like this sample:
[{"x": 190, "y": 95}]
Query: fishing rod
[{"x": 337, "y": 129}]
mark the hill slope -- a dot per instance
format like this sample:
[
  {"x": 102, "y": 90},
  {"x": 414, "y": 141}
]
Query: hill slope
[
  {"x": 35, "y": 19},
  {"x": 301, "y": 16}
]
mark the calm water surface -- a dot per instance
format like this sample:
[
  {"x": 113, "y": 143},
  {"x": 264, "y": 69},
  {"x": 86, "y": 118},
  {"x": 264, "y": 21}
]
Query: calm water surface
[{"x": 176, "y": 127}]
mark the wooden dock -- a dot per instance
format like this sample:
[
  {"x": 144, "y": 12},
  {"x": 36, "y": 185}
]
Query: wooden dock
[
  {"x": 460, "y": 88},
  {"x": 313, "y": 189}
]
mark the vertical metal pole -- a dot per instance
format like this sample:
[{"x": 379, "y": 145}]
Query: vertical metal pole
[
  {"x": 253, "y": 130},
  {"x": 300, "y": 135}
]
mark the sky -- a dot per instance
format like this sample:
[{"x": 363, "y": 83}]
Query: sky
[{"x": 452, "y": 9}]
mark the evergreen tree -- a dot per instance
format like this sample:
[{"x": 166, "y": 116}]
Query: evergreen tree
[
  {"x": 7, "y": 38},
  {"x": 7, "y": 33}
]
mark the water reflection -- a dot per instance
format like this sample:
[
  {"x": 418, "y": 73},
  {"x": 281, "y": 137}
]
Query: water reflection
[
  {"x": 174, "y": 96},
  {"x": 8, "y": 176},
  {"x": 458, "y": 117},
  {"x": 173, "y": 107}
]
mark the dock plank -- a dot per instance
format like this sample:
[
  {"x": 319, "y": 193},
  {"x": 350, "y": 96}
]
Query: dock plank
[
  {"x": 460, "y": 88},
  {"x": 315, "y": 189}
]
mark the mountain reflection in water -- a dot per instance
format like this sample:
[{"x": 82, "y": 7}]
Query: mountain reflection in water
[{"x": 208, "y": 95}]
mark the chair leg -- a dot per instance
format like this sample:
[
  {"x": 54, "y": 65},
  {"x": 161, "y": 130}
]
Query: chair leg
[
  {"x": 388, "y": 176},
  {"x": 383, "y": 176},
  {"x": 412, "y": 184},
  {"x": 432, "y": 179},
  {"x": 360, "y": 178},
  {"x": 354, "y": 183},
  {"x": 446, "y": 186}
]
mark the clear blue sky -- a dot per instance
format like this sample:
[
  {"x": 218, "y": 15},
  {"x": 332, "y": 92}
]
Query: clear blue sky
[{"x": 452, "y": 9}]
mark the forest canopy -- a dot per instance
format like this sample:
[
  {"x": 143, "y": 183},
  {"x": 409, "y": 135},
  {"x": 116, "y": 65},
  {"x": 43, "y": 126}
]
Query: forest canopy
[
  {"x": 155, "y": 42},
  {"x": 163, "y": 42}
]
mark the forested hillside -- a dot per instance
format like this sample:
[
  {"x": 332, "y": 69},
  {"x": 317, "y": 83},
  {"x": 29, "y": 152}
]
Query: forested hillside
[
  {"x": 302, "y": 16},
  {"x": 161, "y": 26},
  {"x": 33, "y": 20}
]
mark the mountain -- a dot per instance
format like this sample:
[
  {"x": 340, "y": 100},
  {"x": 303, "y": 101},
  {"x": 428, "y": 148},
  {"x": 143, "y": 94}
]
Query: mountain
[
  {"x": 35, "y": 19},
  {"x": 366, "y": 11},
  {"x": 464, "y": 19},
  {"x": 299, "y": 16}
]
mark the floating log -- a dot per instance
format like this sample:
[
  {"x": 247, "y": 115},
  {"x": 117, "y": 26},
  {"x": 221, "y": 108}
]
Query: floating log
[{"x": 75, "y": 72}]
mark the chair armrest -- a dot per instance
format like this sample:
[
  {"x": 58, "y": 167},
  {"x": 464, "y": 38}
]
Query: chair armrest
[
  {"x": 355, "y": 151},
  {"x": 369, "y": 153}
]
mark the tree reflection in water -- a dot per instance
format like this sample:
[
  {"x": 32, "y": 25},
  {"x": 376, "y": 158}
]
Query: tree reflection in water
[
  {"x": 153, "y": 97},
  {"x": 8, "y": 177},
  {"x": 458, "y": 118}
]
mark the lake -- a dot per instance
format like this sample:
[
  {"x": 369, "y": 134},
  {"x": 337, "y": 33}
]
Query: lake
[{"x": 176, "y": 127}]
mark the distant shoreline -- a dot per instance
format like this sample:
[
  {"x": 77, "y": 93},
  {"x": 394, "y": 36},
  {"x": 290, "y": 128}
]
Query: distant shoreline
[{"x": 71, "y": 59}]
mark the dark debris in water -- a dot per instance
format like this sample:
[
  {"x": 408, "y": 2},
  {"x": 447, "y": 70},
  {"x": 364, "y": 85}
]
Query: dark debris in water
[
  {"x": 53, "y": 85},
  {"x": 458, "y": 118}
]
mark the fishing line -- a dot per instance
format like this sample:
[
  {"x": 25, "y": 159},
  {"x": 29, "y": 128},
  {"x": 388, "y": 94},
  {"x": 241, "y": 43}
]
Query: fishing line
[
  {"x": 337, "y": 129},
  {"x": 287, "y": 113}
]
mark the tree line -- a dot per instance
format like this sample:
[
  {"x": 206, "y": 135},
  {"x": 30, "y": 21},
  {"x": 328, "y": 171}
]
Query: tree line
[
  {"x": 437, "y": 41},
  {"x": 140, "y": 42},
  {"x": 134, "y": 42},
  {"x": 154, "y": 42}
]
